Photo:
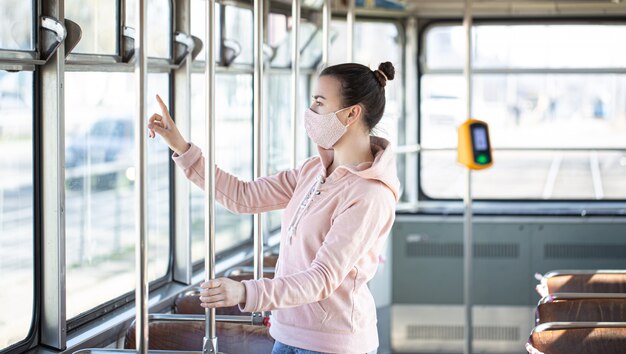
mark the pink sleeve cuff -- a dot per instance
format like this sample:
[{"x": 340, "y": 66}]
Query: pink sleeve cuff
[
  {"x": 188, "y": 158},
  {"x": 251, "y": 297}
]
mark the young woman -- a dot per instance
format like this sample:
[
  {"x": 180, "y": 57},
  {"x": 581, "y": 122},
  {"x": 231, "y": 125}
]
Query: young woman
[{"x": 339, "y": 209}]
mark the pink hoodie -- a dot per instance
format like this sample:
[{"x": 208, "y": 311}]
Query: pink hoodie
[{"x": 332, "y": 233}]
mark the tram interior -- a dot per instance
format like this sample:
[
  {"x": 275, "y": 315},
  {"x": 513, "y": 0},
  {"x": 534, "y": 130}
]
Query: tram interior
[{"x": 549, "y": 218}]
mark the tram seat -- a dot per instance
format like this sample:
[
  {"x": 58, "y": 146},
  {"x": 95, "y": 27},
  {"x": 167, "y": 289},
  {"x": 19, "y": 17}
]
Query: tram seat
[
  {"x": 189, "y": 302},
  {"x": 581, "y": 310},
  {"x": 582, "y": 282},
  {"x": 179, "y": 335},
  {"x": 586, "y": 337},
  {"x": 268, "y": 261}
]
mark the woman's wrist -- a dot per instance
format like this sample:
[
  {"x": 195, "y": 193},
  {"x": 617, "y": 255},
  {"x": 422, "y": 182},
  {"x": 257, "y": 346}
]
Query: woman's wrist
[
  {"x": 242, "y": 296},
  {"x": 181, "y": 148}
]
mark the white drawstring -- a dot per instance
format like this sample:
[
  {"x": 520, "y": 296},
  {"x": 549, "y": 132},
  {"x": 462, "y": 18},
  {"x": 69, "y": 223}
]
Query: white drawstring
[{"x": 304, "y": 204}]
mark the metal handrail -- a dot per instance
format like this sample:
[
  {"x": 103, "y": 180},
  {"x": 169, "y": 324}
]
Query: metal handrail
[
  {"x": 555, "y": 273},
  {"x": 419, "y": 148},
  {"x": 467, "y": 199},
  {"x": 295, "y": 77},
  {"x": 209, "y": 345},
  {"x": 350, "y": 20},
  {"x": 581, "y": 296},
  {"x": 326, "y": 18},
  {"x": 141, "y": 247},
  {"x": 258, "y": 129},
  {"x": 110, "y": 351},
  {"x": 576, "y": 325},
  {"x": 254, "y": 319}
]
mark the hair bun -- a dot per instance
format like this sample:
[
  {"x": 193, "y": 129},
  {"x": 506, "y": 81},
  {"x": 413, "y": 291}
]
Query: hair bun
[{"x": 384, "y": 73}]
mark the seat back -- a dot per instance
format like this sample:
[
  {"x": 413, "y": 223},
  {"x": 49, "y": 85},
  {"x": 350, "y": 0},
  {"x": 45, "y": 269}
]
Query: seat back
[
  {"x": 587, "y": 283},
  {"x": 179, "y": 335},
  {"x": 578, "y": 340},
  {"x": 582, "y": 310}
]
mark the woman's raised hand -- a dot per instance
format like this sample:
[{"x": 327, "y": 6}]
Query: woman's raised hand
[{"x": 165, "y": 127}]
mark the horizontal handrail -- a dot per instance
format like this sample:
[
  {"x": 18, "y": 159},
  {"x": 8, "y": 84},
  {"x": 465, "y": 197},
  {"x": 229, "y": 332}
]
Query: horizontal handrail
[
  {"x": 580, "y": 296},
  {"x": 254, "y": 319},
  {"x": 576, "y": 325}
]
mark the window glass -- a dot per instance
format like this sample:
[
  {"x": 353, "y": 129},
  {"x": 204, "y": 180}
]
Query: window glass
[
  {"x": 278, "y": 129},
  {"x": 534, "y": 111},
  {"x": 529, "y": 46},
  {"x": 374, "y": 43},
  {"x": 16, "y": 27},
  {"x": 233, "y": 154},
  {"x": 276, "y": 29},
  {"x": 97, "y": 20},
  {"x": 198, "y": 14},
  {"x": 310, "y": 43},
  {"x": 311, "y": 49},
  {"x": 239, "y": 32},
  {"x": 100, "y": 208},
  {"x": 159, "y": 25},
  {"x": 16, "y": 206},
  {"x": 590, "y": 175}
]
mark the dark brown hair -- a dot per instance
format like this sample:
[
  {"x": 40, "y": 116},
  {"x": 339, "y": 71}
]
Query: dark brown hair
[{"x": 361, "y": 85}]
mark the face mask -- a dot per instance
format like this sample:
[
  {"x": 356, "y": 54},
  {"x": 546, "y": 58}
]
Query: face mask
[{"x": 324, "y": 129}]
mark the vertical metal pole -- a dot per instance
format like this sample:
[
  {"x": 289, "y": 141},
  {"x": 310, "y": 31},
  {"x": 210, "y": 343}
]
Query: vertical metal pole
[
  {"x": 326, "y": 19},
  {"x": 141, "y": 246},
  {"x": 467, "y": 201},
  {"x": 411, "y": 97},
  {"x": 53, "y": 293},
  {"x": 467, "y": 264},
  {"x": 210, "y": 337},
  {"x": 258, "y": 130},
  {"x": 182, "y": 113},
  {"x": 350, "y": 22},
  {"x": 295, "y": 76}
]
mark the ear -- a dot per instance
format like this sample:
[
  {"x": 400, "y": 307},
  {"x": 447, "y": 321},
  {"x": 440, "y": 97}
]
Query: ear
[{"x": 354, "y": 114}]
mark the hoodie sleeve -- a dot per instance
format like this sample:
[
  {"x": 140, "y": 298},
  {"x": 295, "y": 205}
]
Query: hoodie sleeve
[
  {"x": 261, "y": 195},
  {"x": 354, "y": 231}
]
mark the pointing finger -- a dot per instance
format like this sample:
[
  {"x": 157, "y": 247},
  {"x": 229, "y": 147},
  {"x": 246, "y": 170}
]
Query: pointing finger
[{"x": 166, "y": 113}]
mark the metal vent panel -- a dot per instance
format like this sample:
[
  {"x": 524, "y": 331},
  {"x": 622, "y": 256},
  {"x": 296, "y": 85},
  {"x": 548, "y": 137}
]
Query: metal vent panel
[
  {"x": 585, "y": 251},
  {"x": 486, "y": 333},
  {"x": 455, "y": 250}
]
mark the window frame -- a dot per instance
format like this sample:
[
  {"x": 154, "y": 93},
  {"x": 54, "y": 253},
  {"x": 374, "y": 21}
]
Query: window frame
[
  {"x": 27, "y": 61},
  {"x": 426, "y": 26},
  {"x": 113, "y": 63},
  {"x": 30, "y": 340}
]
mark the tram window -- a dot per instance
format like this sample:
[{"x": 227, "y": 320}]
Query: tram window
[
  {"x": 159, "y": 25},
  {"x": 278, "y": 129},
  {"x": 376, "y": 42},
  {"x": 198, "y": 11},
  {"x": 97, "y": 20},
  {"x": 233, "y": 154},
  {"x": 310, "y": 43},
  {"x": 552, "y": 46},
  {"x": 540, "y": 110},
  {"x": 16, "y": 28},
  {"x": 100, "y": 213},
  {"x": 276, "y": 29},
  {"x": 239, "y": 32},
  {"x": 16, "y": 206}
]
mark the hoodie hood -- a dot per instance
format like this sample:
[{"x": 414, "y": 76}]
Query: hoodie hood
[{"x": 382, "y": 169}]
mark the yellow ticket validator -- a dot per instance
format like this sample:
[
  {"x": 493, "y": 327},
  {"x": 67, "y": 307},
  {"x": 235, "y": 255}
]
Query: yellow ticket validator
[{"x": 474, "y": 148}]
